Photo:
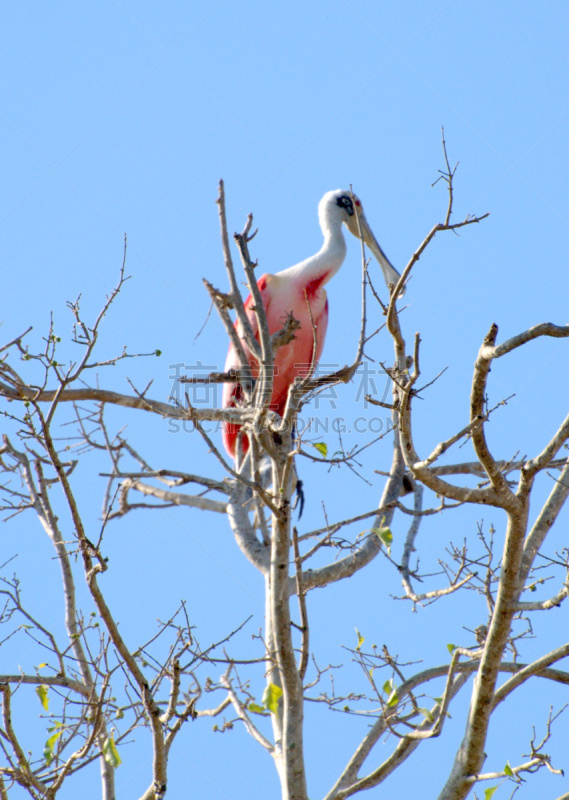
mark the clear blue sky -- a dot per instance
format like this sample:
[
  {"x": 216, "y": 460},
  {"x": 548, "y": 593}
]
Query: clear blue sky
[{"x": 121, "y": 117}]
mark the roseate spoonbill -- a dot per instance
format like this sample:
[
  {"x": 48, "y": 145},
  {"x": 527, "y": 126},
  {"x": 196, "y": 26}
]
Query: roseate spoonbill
[{"x": 293, "y": 290}]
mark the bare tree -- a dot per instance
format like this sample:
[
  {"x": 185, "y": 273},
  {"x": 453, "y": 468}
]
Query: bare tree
[{"x": 100, "y": 688}]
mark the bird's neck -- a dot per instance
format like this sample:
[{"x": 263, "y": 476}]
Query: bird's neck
[{"x": 325, "y": 264}]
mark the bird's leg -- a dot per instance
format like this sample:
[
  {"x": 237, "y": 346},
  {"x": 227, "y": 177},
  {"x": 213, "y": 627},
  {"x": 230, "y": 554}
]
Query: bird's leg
[
  {"x": 298, "y": 487},
  {"x": 300, "y": 497}
]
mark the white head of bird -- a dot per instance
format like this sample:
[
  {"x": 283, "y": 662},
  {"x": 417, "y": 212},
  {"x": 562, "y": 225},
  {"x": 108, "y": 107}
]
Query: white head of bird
[{"x": 342, "y": 206}]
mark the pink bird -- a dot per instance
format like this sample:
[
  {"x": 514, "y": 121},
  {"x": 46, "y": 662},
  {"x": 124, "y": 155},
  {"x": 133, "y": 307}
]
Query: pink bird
[{"x": 293, "y": 290}]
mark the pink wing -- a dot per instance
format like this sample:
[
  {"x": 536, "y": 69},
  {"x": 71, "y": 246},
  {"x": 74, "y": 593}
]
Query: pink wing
[{"x": 293, "y": 360}]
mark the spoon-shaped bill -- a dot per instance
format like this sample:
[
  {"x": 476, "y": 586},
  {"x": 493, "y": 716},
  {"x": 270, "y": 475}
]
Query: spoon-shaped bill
[{"x": 390, "y": 274}]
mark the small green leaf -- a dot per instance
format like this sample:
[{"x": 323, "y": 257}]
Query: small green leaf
[
  {"x": 391, "y": 692},
  {"x": 41, "y": 692},
  {"x": 438, "y": 700},
  {"x": 111, "y": 753},
  {"x": 119, "y": 714},
  {"x": 393, "y": 699},
  {"x": 508, "y": 770},
  {"x": 385, "y": 536},
  {"x": 49, "y": 745},
  {"x": 271, "y": 697},
  {"x": 361, "y": 639},
  {"x": 489, "y": 792},
  {"x": 451, "y": 648},
  {"x": 427, "y": 714},
  {"x": 322, "y": 448},
  {"x": 257, "y": 709},
  {"x": 158, "y": 352}
]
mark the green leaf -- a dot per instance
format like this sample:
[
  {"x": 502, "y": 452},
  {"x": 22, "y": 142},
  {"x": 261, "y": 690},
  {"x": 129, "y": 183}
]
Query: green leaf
[
  {"x": 271, "y": 697},
  {"x": 385, "y": 536},
  {"x": 158, "y": 352},
  {"x": 391, "y": 692},
  {"x": 427, "y": 714},
  {"x": 508, "y": 770},
  {"x": 119, "y": 714},
  {"x": 361, "y": 639},
  {"x": 489, "y": 792},
  {"x": 257, "y": 709},
  {"x": 49, "y": 745},
  {"x": 393, "y": 699},
  {"x": 322, "y": 448},
  {"x": 111, "y": 753},
  {"x": 41, "y": 692},
  {"x": 451, "y": 648}
]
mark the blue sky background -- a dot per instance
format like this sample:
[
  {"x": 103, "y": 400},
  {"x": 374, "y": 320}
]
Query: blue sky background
[{"x": 121, "y": 118}]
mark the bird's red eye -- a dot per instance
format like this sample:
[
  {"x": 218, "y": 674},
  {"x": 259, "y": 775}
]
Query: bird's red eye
[{"x": 358, "y": 203}]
